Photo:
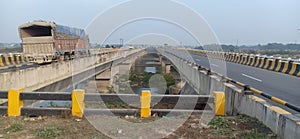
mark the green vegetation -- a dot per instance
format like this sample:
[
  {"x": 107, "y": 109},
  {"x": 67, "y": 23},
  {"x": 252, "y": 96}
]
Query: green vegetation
[
  {"x": 254, "y": 134},
  {"x": 246, "y": 119},
  {"x": 222, "y": 132},
  {"x": 219, "y": 122},
  {"x": 119, "y": 105},
  {"x": 169, "y": 79},
  {"x": 143, "y": 79},
  {"x": 14, "y": 128},
  {"x": 48, "y": 132}
]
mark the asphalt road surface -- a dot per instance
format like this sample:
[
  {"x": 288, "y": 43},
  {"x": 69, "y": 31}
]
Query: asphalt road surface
[{"x": 280, "y": 85}]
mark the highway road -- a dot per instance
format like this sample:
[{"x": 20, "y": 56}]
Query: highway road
[{"x": 276, "y": 84}]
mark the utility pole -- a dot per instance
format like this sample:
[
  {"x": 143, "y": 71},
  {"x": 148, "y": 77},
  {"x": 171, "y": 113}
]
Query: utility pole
[{"x": 121, "y": 42}]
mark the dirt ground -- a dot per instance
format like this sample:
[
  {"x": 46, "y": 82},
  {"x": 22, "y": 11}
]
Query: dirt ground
[{"x": 70, "y": 127}]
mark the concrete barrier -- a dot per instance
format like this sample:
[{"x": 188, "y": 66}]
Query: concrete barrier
[
  {"x": 275, "y": 64},
  {"x": 267, "y": 64},
  {"x": 279, "y": 66},
  {"x": 281, "y": 122},
  {"x": 37, "y": 77}
]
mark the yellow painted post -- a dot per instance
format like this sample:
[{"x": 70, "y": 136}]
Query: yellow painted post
[
  {"x": 14, "y": 102},
  {"x": 77, "y": 103},
  {"x": 219, "y": 103},
  {"x": 145, "y": 103}
]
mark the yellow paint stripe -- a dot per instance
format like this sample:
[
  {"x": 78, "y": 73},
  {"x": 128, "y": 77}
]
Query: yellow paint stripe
[
  {"x": 232, "y": 58},
  {"x": 1, "y": 62},
  {"x": 279, "y": 110},
  {"x": 227, "y": 78},
  {"x": 12, "y": 60},
  {"x": 242, "y": 60},
  {"x": 293, "y": 69},
  {"x": 18, "y": 59},
  {"x": 22, "y": 59},
  {"x": 249, "y": 59},
  {"x": 253, "y": 61},
  {"x": 7, "y": 60},
  {"x": 285, "y": 68},
  {"x": 262, "y": 63},
  {"x": 236, "y": 59},
  {"x": 257, "y": 62},
  {"x": 278, "y": 65},
  {"x": 280, "y": 101},
  {"x": 267, "y": 64},
  {"x": 255, "y": 91},
  {"x": 273, "y": 65},
  {"x": 240, "y": 84},
  {"x": 255, "y": 98},
  {"x": 298, "y": 74}
]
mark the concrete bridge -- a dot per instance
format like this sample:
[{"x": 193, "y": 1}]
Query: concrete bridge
[
  {"x": 61, "y": 75},
  {"x": 201, "y": 70}
]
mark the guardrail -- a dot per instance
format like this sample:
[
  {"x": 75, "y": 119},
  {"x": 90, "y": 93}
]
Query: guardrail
[
  {"x": 78, "y": 99},
  {"x": 286, "y": 66},
  {"x": 245, "y": 87}
]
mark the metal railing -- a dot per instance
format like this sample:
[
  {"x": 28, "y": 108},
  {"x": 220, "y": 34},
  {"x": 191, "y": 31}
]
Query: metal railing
[{"x": 78, "y": 99}]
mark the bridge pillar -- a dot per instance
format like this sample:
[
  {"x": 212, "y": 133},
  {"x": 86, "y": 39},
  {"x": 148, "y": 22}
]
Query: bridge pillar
[
  {"x": 163, "y": 67},
  {"x": 168, "y": 68}
]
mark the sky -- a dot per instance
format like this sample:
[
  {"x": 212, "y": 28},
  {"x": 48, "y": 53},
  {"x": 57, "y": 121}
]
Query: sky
[{"x": 247, "y": 22}]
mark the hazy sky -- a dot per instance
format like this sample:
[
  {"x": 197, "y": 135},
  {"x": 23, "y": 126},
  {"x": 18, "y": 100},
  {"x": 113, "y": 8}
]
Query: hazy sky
[{"x": 249, "y": 21}]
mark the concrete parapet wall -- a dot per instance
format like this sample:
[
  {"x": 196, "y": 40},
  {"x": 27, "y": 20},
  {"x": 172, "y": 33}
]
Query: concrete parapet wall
[
  {"x": 34, "y": 78},
  {"x": 280, "y": 121},
  {"x": 199, "y": 79}
]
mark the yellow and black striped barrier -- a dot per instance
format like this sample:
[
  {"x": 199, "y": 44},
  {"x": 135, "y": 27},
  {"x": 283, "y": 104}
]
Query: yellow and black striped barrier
[
  {"x": 13, "y": 61},
  {"x": 256, "y": 91},
  {"x": 277, "y": 65}
]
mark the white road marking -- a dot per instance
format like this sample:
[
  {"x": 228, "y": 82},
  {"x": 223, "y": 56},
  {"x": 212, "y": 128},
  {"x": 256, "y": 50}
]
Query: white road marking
[
  {"x": 197, "y": 59},
  {"x": 214, "y": 65},
  {"x": 252, "y": 77}
]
